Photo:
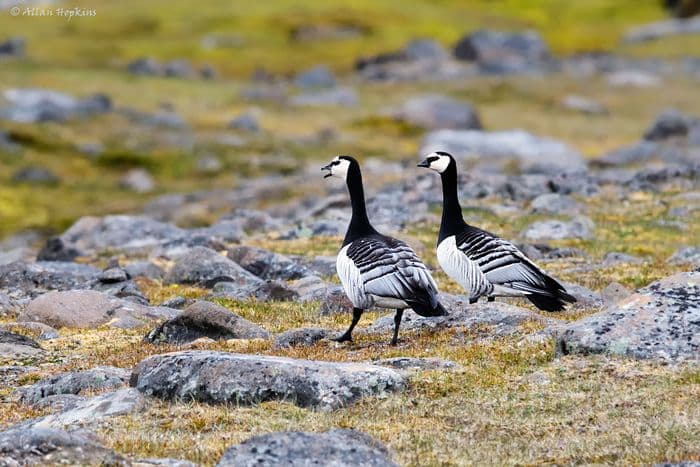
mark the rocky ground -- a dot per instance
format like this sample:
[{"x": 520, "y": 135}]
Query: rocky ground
[{"x": 167, "y": 273}]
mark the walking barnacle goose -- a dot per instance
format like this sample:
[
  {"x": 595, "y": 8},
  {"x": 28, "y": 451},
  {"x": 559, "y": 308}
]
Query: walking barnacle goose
[
  {"x": 376, "y": 270},
  {"x": 481, "y": 262}
]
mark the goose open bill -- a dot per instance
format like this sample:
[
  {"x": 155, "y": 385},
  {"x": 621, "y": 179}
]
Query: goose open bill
[
  {"x": 377, "y": 270},
  {"x": 481, "y": 262}
]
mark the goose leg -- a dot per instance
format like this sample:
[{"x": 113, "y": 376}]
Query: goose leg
[
  {"x": 347, "y": 336},
  {"x": 397, "y": 323}
]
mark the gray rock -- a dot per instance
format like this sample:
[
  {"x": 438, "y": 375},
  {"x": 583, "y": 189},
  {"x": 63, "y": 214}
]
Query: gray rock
[
  {"x": 56, "y": 250},
  {"x": 580, "y": 227},
  {"x": 31, "y": 280},
  {"x": 310, "y": 288},
  {"x": 277, "y": 291},
  {"x": 42, "y": 446},
  {"x": 669, "y": 124},
  {"x": 318, "y": 77},
  {"x": 335, "y": 301},
  {"x": 205, "y": 319},
  {"x": 634, "y": 154},
  {"x": 226, "y": 231},
  {"x": 144, "y": 269},
  {"x": 660, "y": 321},
  {"x": 533, "y": 153},
  {"x": 301, "y": 337},
  {"x": 13, "y": 47},
  {"x": 223, "y": 378},
  {"x": 75, "y": 382},
  {"x": 554, "y": 203},
  {"x": 686, "y": 255},
  {"x": 505, "y": 319},
  {"x": 585, "y": 297},
  {"x": 59, "y": 402},
  {"x": 337, "y": 448},
  {"x": 614, "y": 258},
  {"x": 15, "y": 346},
  {"x": 206, "y": 267},
  {"x": 133, "y": 234},
  {"x": 246, "y": 122},
  {"x": 145, "y": 67},
  {"x": 614, "y": 292},
  {"x": 503, "y": 52},
  {"x": 39, "y": 331},
  {"x": 425, "y": 49},
  {"x": 633, "y": 79},
  {"x": 435, "y": 111},
  {"x": 666, "y": 28},
  {"x": 209, "y": 164},
  {"x": 164, "y": 462},
  {"x": 320, "y": 265},
  {"x": 273, "y": 93},
  {"x": 36, "y": 176},
  {"x": 138, "y": 180},
  {"x": 583, "y": 105},
  {"x": 179, "y": 69},
  {"x": 41, "y": 105},
  {"x": 418, "y": 364},
  {"x": 341, "y": 96},
  {"x": 92, "y": 411},
  {"x": 266, "y": 264},
  {"x": 90, "y": 309}
]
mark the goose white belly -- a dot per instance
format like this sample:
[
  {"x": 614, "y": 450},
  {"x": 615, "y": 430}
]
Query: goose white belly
[{"x": 461, "y": 269}]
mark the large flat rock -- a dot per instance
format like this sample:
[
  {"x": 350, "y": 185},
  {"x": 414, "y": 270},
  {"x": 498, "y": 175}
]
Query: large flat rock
[
  {"x": 45, "y": 446},
  {"x": 220, "y": 377},
  {"x": 90, "y": 309},
  {"x": 74, "y": 382},
  {"x": 335, "y": 448},
  {"x": 660, "y": 321}
]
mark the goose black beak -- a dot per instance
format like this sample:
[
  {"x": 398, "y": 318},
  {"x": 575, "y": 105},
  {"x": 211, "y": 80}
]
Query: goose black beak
[
  {"x": 425, "y": 164},
  {"x": 328, "y": 168}
]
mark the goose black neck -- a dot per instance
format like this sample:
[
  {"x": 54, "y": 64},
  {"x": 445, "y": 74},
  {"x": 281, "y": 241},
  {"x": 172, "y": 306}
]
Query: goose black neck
[
  {"x": 452, "y": 220},
  {"x": 359, "y": 223}
]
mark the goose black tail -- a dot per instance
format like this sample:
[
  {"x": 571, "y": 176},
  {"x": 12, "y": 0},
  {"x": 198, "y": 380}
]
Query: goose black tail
[
  {"x": 427, "y": 310},
  {"x": 549, "y": 302}
]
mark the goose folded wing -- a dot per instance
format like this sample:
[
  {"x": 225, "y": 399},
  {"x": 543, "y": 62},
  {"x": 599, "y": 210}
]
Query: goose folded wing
[{"x": 389, "y": 268}]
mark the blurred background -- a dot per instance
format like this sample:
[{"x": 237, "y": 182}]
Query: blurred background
[{"x": 132, "y": 106}]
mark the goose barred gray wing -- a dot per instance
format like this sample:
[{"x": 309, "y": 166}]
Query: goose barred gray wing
[
  {"x": 507, "y": 267},
  {"x": 383, "y": 271}
]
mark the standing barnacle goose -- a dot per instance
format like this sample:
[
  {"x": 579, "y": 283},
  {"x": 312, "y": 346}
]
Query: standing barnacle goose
[
  {"x": 376, "y": 270},
  {"x": 482, "y": 263}
]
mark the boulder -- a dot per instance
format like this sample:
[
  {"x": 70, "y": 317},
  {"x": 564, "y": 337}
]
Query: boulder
[
  {"x": 227, "y": 378},
  {"x": 56, "y": 250},
  {"x": 686, "y": 255},
  {"x": 660, "y": 321},
  {"x": 435, "y": 111},
  {"x": 504, "y": 52},
  {"x": 92, "y": 411},
  {"x": 39, "y": 331},
  {"x": 205, "y": 319},
  {"x": 669, "y": 124},
  {"x": 36, "y": 176},
  {"x": 13, "y": 47},
  {"x": 301, "y": 337},
  {"x": 554, "y": 203},
  {"x": 145, "y": 67},
  {"x": 163, "y": 462},
  {"x": 580, "y": 227},
  {"x": 43, "y": 446},
  {"x": 341, "y": 96},
  {"x": 614, "y": 292},
  {"x": 245, "y": 122},
  {"x": 666, "y": 28},
  {"x": 15, "y": 346},
  {"x": 266, "y": 264},
  {"x": 74, "y": 382},
  {"x": 418, "y": 364},
  {"x": 34, "y": 105},
  {"x": 615, "y": 258},
  {"x": 633, "y": 79},
  {"x": 144, "y": 269},
  {"x": 335, "y": 301},
  {"x": 337, "y": 448},
  {"x": 425, "y": 49},
  {"x": 318, "y": 77},
  {"x": 583, "y": 105},
  {"x": 533, "y": 153},
  {"x": 134, "y": 234},
  {"x": 204, "y": 266},
  {"x": 504, "y": 318},
  {"x": 90, "y": 309},
  {"x": 138, "y": 180}
]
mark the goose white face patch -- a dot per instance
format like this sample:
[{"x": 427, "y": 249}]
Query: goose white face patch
[
  {"x": 438, "y": 162},
  {"x": 338, "y": 168}
]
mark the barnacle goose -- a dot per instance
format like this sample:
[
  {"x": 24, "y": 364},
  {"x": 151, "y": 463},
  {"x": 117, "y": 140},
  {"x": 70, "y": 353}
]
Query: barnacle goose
[
  {"x": 481, "y": 262},
  {"x": 376, "y": 270}
]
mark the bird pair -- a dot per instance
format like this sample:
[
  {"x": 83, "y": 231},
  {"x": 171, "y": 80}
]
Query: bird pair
[{"x": 380, "y": 271}]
